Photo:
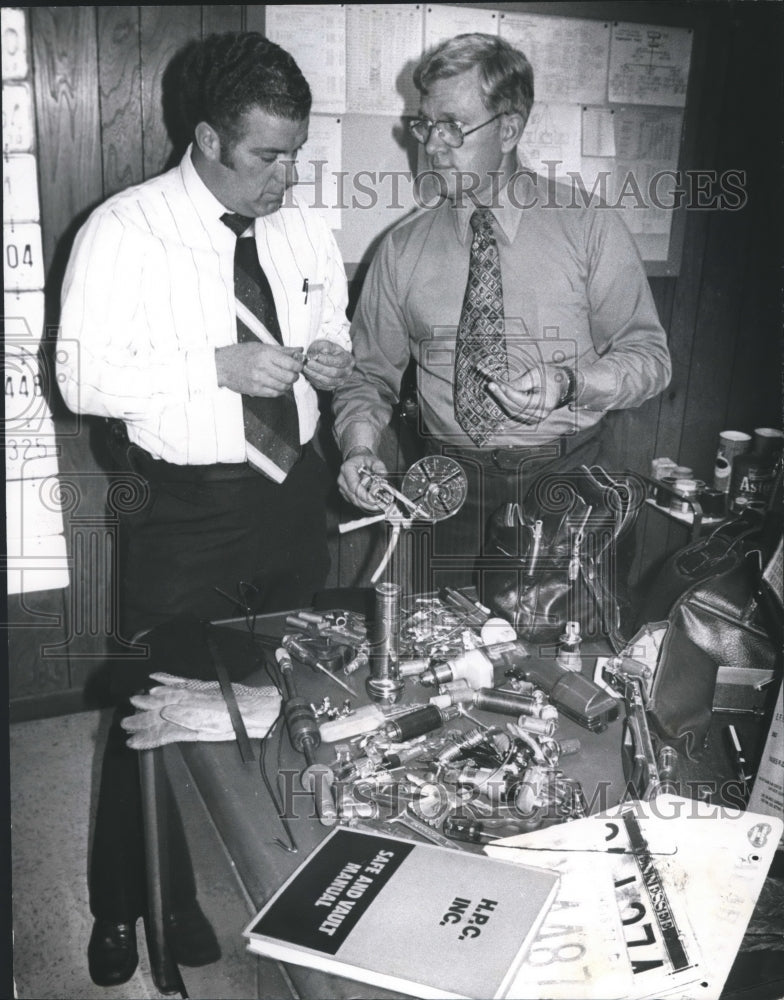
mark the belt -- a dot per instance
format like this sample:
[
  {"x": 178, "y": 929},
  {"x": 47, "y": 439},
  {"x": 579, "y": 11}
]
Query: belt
[
  {"x": 157, "y": 470},
  {"x": 508, "y": 458}
]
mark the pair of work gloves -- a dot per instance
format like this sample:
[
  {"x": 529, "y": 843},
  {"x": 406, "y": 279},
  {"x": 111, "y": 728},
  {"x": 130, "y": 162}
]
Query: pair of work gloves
[{"x": 184, "y": 710}]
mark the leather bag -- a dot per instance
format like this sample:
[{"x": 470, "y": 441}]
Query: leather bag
[
  {"x": 716, "y": 618},
  {"x": 709, "y": 557},
  {"x": 560, "y": 555}
]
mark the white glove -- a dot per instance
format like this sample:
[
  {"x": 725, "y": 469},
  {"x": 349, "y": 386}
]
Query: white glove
[{"x": 183, "y": 710}]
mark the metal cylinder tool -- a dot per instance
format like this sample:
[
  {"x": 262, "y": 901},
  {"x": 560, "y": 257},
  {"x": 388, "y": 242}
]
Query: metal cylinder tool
[
  {"x": 317, "y": 778},
  {"x": 417, "y": 723},
  {"x": 385, "y": 683}
]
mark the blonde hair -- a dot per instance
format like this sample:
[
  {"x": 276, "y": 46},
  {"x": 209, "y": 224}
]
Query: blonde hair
[{"x": 506, "y": 77}]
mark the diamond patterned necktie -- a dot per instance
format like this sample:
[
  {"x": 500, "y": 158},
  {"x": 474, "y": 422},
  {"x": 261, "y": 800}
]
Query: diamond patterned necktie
[
  {"x": 271, "y": 423},
  {"x": 480, "y": 350}
]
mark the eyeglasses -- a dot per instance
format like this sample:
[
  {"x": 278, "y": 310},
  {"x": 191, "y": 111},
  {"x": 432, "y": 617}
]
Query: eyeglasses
[{"x": 452, "y": 133}]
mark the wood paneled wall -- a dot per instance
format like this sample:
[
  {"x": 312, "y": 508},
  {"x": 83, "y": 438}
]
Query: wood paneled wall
[{"x": 101, "y": 127}]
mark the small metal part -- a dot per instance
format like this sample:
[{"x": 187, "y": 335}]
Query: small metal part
[
  {"x": 492, "y": 782},
  {"x": 473, "y": 738},
  {"x": 437, "y": 487},
  {"x": 430, "y": 809},
  {"x": 553, "y": 750},
  {"x": 536, "y": 544},
  {"x": 422, "y": 829},
  {"x": 353, "y": 809},
  {"x": 540, "y": 727},
  {"x": 469, "y": 831},
  {"x": 414, "y": 667},
  {"x": 667, "y": 762},
  {"x": 569, "y": 648},
  {"x": 358, "y": 662}
]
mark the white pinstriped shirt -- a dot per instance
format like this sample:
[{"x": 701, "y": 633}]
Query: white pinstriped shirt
[{"x": 149, "y": 295}]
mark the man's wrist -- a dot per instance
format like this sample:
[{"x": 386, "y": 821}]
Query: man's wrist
[{"x": 568, "y": 384}]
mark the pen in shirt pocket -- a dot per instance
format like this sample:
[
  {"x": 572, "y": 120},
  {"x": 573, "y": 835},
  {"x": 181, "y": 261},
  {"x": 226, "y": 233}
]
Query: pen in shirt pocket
[{"x": 310, "y": 286}]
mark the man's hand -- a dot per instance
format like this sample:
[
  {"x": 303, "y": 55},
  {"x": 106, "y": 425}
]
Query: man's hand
[
  {"x": 327, "y": 365},
  {"x": 349, "y": 482},
  {"x": 257, "y": 369},
  {"x": 533, "y": 396}
]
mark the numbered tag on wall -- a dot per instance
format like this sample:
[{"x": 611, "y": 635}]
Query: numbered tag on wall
[
  {"x": 32, "y": 456},
  {"x": 20, "y": 188},
  {"x": 14, "y": 34},
  {"x": 23, "y": 263},
  {"x": 26, "y": 391},
  {"x": 17, "y": 118}
]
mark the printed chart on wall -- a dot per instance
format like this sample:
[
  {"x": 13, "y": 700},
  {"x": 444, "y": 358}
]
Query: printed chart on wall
[
  {"x": 607, "y": 120},
  {"x": 608, "y": 114}
]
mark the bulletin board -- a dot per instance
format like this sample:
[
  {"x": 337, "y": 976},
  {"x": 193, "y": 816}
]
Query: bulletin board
[{"x": 607, "y": 121}]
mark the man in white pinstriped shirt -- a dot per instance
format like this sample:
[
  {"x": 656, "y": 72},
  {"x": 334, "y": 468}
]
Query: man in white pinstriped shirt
[{"x": 149, "y": 339}]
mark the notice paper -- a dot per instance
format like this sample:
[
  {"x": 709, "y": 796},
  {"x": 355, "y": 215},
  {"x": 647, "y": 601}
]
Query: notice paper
[
  {"x": 569, "y": 55},
  {"x": 316, "y": 37},
  {"x": 552, "y": 135},
  {"x": 598, "y": 132},
  {"x": 384, "y": 43},
  {"x": 648, "y": 134},
  {"x": 443, "y": 21},
  {"x": 649, "y": 64},
  {"x": 767, "y": 792}
]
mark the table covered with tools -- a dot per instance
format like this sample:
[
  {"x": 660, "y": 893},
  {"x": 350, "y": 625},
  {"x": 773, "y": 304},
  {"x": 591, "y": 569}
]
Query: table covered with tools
[{"x": 423, "y": 717}]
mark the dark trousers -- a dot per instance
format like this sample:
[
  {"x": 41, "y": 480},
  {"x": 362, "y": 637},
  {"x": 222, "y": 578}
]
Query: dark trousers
[
  {"x": 495, "y": 478},
  {"x": 188, "y": 539}
]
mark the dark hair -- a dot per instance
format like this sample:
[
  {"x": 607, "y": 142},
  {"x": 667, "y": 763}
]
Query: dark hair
[
  {"x": 223, "y": 76},
  {"x": 506, "y": 77}
]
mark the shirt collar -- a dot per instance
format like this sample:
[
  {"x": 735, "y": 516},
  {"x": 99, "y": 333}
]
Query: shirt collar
[
  {"x": 207, "y": 205},
  {"x": 506, "y": 213}
]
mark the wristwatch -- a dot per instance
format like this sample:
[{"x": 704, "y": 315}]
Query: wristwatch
[{"x": 569, "y": 389}]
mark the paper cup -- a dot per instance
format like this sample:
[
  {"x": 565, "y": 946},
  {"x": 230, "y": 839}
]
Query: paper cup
[
  {"x": 767, "y": 441},
  {"x": 731, "y": 444}
]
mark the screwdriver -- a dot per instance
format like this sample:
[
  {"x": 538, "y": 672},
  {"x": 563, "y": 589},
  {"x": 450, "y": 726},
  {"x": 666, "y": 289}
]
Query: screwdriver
[
  {"x": 475, "y": 831},
  {"x": 300, "y": 650}
]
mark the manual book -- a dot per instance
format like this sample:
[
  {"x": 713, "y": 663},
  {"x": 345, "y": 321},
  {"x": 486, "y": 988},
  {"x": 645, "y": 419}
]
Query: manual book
[{"x": 405, "y": 916}]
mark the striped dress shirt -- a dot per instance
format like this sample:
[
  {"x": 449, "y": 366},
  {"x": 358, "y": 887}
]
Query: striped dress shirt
[{"x": 149, "y": 295}]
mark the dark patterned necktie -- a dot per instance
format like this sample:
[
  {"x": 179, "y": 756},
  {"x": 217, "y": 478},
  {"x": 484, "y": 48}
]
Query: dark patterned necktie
[
  {"x": 480, "y": 350},
  {"x": 271, "y": 423}
]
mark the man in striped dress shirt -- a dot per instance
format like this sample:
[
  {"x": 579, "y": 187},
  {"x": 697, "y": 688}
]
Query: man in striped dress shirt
[{"x": 149, "y": 340}]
